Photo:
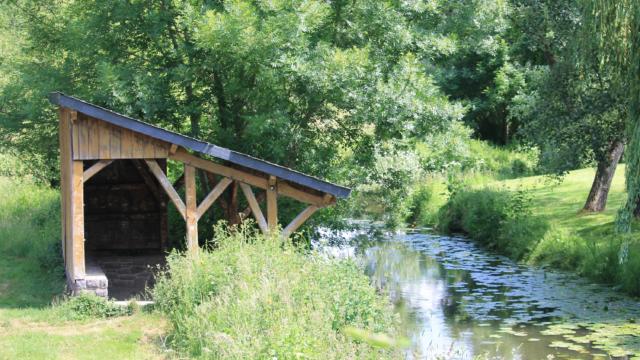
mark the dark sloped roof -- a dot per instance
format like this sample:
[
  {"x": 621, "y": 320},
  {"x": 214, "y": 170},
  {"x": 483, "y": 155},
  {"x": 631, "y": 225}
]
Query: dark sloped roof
[{"x": 198, "y": 145}]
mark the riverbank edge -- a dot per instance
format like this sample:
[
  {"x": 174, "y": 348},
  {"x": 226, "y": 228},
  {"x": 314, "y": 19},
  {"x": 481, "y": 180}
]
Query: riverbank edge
[{"x": 514, "y": 219}]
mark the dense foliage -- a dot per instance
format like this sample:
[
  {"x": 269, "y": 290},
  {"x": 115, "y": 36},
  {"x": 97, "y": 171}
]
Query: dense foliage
[
  {"x": 617, "y": 47},
  {"x": 365, "y": 93}
]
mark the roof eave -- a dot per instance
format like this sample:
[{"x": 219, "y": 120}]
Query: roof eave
[{"x": 199, "y": 146}]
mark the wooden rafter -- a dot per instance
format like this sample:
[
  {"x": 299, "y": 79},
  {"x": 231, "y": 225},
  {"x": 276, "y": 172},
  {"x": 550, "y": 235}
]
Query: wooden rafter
[
  {"x": 206, "y": 203},
  {"x": 148, "y": 180},
  {"x": 251, "y": 179},
  {"x": 95, "y": 168},
  {"x": 299, "y": 220},
  {"x": 261, "y": 197},
  {"x": 168, "y": 188},
  {"x": 255, "y": 207}
]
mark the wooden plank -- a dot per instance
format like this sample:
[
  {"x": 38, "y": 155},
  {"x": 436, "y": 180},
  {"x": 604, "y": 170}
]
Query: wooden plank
[
  {"x": 116, "y": 136},
  {"x": 149, "y": 148},
  {"x": 272, "y": 203},
  {"x": 260, "y": 197},
  {"x": 247, "y": 178},
  {"x": 173, "y": 149},
  {"x": 126, "y": 144},
  {"x": 75, "y": 133},
  {"x": 137, "y": 146},
  {"x": 83, "y": 127},
  {"x": 105, "y": 140},
  {"x": 94, "y": 139},
  {"x": 191, "y": 209},
  {"x": 255, "y": 207},
  {"x": 287, "y": 190},
  {"x": 299, "y": 220},
  {"x": 253, "y": 180},
  {"x": 95, "y": 168},
  {"x": 161, "y": 149},
  {"x": 166, "y": 185},
  {"x": 206, "y": 203},
  {"x": 77, "y": 208}
]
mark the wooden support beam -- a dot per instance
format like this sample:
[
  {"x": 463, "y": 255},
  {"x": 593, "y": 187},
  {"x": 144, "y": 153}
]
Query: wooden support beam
[
  {"x": 247, "y": 178},
  {"x": 191, "y": 207},
  {"x": 148, "y": 180},
  {"x": 299, "y": 220},
  {"x": 95, "y": 168},
  {"x": 255, "y": 207},
  {"x": 173, "y": 149},
  {"x": 272, "y": 203},
  {"x": 77, "y": 216},
  {"x": 206, "y": 203},
  {"x": 261, "y": 197},
  {"x": 168, "y": 188}
]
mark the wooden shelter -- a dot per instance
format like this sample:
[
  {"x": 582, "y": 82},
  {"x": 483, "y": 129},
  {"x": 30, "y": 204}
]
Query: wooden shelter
[{"x": 114, "y": 187}]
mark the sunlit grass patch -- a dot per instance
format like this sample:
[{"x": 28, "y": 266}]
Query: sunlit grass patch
[{"x": 36, "y": 322}]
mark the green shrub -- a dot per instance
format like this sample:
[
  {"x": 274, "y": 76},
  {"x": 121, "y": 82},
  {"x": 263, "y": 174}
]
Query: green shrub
[
  {"x": 90, "y": 306},
  {"x": 500, "y": 220},
  {"x": 424, "y": 203},
  {"x": 560, "y": 249},
  {"x": 629, "y": 273},
  {"x": 263, "y": 298}
]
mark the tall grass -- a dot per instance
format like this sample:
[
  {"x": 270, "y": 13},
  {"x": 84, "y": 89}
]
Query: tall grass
[
  {"x": 258, "y": 298},
  {"x": 29, "y": 219},
  {"x": 31, "y": 270}
]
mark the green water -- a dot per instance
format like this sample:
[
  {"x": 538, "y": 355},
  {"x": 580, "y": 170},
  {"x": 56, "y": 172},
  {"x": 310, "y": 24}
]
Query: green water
[{"x": 458, "y": 301}]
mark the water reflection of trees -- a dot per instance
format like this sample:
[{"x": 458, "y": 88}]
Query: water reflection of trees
[{"x": 390, "y": 264}]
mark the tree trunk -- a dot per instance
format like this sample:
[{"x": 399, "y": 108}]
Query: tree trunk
[{"x": 597, "y": 200}]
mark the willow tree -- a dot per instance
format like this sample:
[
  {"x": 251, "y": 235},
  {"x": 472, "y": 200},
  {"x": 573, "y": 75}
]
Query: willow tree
[{"x": 616, "y": 25}]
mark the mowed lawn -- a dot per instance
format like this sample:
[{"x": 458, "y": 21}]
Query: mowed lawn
[
  {"x": 31, "y": 327},
  {"x": 561, "y": 203}
]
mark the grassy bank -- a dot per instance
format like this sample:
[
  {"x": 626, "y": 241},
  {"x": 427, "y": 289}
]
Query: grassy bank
[
  {"x": 256, "y": 298},
  {"x": 249, "y": 298},
  {"x": 36, "y": 322},
  {"x": 538, "y": 221}
]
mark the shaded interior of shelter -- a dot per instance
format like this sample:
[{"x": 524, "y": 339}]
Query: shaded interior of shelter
[{"x": 125, "y": 227}]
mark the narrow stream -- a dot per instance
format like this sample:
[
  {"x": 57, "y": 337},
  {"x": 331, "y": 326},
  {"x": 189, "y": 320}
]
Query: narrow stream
[{"x": 459, "y": 301}]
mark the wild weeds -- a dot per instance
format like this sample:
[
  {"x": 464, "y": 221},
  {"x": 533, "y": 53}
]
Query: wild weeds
[{"x": 256, "y": 297}]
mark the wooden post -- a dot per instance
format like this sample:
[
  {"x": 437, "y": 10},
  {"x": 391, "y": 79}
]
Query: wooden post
[
  {"x": 191, "y": 207},
  {"x": 272, "y": 203},
  {"x": 77, "y": 214}
]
